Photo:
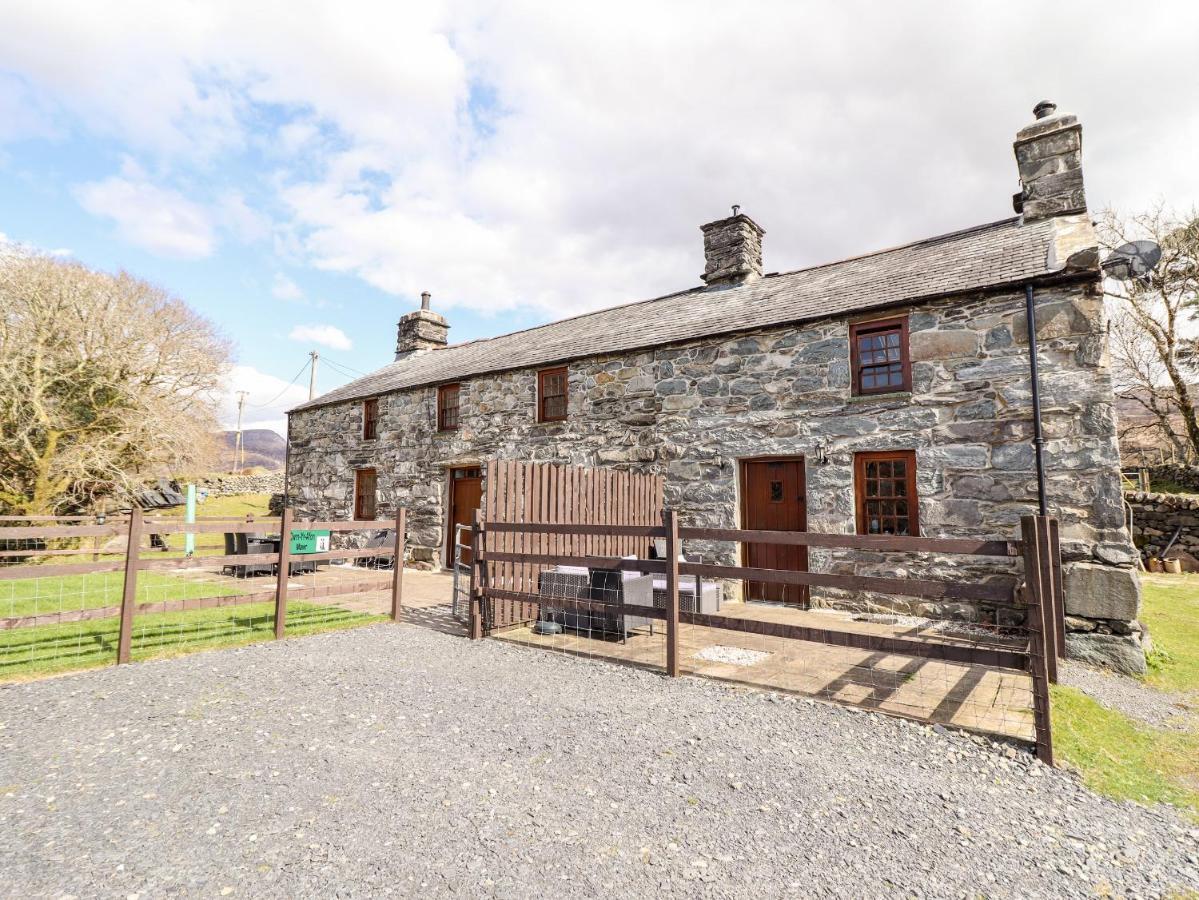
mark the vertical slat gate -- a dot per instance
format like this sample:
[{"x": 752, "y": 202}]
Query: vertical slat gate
[{"x": 555, "y": 494}]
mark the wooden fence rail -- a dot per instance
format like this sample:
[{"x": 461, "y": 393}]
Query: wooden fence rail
[
  {"x": 137, "y": 526},
  {"x": 1039, "y": 595}
]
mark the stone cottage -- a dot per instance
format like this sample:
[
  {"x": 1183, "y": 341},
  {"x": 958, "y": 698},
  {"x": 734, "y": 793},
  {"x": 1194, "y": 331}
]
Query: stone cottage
[{"x": 888, "y": 393}]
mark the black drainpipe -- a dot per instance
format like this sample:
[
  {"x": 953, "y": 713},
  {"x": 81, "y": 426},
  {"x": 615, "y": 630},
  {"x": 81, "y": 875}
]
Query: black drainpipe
[{"x": 1038, "y": 440}]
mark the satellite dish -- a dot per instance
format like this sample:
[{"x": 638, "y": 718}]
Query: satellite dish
[{"x": 1132, "y": 260}]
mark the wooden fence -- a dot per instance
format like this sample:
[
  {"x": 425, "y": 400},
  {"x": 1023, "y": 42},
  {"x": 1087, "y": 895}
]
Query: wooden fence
[
  {"x": 544, "y": 544},
  {"x": 136, "y": 526},
  {"x": 516, "y": 492}
]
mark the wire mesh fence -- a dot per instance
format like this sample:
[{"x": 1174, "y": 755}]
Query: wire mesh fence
[
  {"x": 971, "y": 652},
  {"x": 67, "y": 589}
]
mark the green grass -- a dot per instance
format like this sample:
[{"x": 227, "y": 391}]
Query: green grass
[
  {"x": 50, "y": 649},
  {"x": 1168, "y": 486},
  {"x": 1122, "y": 758},
  {"x": 1172, "y": 614},
  {"x": 30, "y": 596}
]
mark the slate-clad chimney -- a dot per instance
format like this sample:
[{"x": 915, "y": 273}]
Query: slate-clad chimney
[
  {"x": 732, "y": 250},
  {"x": 420, "y": 331},
  {"x": 1049, "y": 157}
]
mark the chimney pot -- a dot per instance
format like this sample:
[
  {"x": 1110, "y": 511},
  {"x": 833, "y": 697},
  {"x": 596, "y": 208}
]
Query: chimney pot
[
  {"x": 732, "y": 250},
  {"x": 1044, "y": 109},
  {"x": 425, "y": 297}
]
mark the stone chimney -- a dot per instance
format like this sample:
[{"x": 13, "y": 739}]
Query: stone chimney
[
  {"x": 420, "y": 331},
  {"x": 1049, "y": 157},
  {"x": 732, "y": 251}
]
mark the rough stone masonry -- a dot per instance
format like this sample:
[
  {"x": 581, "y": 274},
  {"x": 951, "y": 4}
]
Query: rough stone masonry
[{"x": 692, "y": 408}]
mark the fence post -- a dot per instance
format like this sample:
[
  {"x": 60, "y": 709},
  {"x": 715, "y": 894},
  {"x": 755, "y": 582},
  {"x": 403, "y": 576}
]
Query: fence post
[
  {"x": 397, "y": 564},
  {"x": 476, "y": 577},
  {"x": 281, "y": 576},
  {"x": 1038, "y": 633},
  {"x": 672, "y": 591},
  {"x": 1059, "y": 594},
  {"x": 133, "y": 552}
]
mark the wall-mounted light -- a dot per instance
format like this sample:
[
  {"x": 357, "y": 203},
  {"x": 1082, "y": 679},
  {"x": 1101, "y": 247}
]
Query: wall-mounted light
[{"x": 822, "y": 454}]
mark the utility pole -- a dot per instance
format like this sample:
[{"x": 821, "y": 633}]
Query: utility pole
[
  {"x": 312, "y": 373},
  {"x": 237, "y": 452}
]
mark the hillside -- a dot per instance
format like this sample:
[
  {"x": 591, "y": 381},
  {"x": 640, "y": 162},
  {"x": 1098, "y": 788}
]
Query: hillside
[{"x": 262, "y": 447}]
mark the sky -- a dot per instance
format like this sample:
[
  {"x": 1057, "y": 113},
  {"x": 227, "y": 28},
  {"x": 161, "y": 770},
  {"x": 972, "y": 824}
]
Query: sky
[{"x": 300, "y": 172}]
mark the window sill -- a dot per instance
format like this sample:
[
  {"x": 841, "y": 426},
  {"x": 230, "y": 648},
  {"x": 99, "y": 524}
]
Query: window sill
[
  {"x": 889, "y": 397},
  {"x": 551, "y": 422}
]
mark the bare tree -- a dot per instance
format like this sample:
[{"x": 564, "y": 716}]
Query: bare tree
[
  {"x": 1154, "y": 347},
  {"x": 102, "y": 378}
]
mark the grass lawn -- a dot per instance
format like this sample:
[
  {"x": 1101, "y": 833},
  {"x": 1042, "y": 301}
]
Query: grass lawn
[
  {"x": 1123, "y": 758},
  {"x": 31, "y": 596},
  {"x": 45, "y": 650}
]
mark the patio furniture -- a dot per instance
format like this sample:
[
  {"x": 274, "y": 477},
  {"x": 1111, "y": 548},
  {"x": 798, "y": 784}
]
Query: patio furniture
[
  {"x": 254, "y": 543},
  {"x": 381, "y": 539},
  {"x": 711, "y": 594},
  {"x": 612, "y": 587}
]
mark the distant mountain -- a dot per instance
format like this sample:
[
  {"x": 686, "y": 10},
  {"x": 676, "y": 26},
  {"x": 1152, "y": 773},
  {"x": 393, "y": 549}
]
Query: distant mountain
[{"x": 260, "y": 447}]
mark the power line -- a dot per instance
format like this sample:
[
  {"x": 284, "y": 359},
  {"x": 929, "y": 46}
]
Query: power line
[
  {"x": 340, "y": 365},
  {"x": 303, "y": 369}
]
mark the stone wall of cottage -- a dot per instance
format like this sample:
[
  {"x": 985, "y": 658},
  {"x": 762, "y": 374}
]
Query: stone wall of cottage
[{"x": 691, "y": 411}]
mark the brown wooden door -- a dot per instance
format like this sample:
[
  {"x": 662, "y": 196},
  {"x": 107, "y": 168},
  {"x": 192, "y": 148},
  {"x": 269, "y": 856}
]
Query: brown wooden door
[
  {"x": 466, "y": 494},
  {"x": 772, "y": 492}
]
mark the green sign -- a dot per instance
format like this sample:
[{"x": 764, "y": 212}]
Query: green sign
[{"x": 309, "y": 542}]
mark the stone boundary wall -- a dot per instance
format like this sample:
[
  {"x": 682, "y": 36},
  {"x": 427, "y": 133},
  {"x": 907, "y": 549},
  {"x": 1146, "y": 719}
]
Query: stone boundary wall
[
  {"x": 1185, "y": 476},
  {"x": 1154, "y": 518},
  {"x": 225, "y": 485}
]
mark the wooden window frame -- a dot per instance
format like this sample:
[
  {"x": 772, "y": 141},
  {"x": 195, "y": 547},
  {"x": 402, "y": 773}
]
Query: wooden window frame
[
  {"x": 370, "y": 423},
  {"x": 859, "y": 487},
  {"x": 443, "y": 424},
  {"x": 360, "y": 495},
  {"x": 542, "y": 376},
  {"x": 899, "y": 323}
]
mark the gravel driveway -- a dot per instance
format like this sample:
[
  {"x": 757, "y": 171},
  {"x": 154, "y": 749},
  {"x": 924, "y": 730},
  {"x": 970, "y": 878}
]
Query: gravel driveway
[{"x": 400, "y": 761}]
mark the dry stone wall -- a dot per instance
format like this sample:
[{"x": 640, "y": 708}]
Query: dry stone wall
[
  {"x": 1155, "y": 517},
  {"x": 691, "y": 411}
]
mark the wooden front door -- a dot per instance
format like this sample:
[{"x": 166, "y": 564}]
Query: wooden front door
[
  {"x": 466, "y": 494},
  {"x": 772, "y": 499}
]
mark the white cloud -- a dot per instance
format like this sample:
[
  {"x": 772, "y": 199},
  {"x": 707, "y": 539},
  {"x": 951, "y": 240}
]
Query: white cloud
[
  {"x": 326, "y": 335},
  {"x": 157, "y": 219},
  {"x": 554, "y": 157},
  {"x": 283, "y": 288},
  {"x": 267, "y": 399}
]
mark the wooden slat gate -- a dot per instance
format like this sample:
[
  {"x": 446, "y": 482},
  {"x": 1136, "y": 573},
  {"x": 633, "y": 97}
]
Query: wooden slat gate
[{"x": 516, "y": 491}]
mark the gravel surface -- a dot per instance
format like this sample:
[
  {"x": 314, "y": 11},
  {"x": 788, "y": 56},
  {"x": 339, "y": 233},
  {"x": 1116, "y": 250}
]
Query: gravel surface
[
  {"x": 399, "y": 761},
  {"x": 1129, "y": 696}
]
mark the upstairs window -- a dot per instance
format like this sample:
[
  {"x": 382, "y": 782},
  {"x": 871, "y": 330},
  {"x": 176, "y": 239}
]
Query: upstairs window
[
  {"x": 447, "y": 407},
  {"x": 370, "y": 419},
  {"x": 364, "y": 494},
  {"x": 879, "y": 356},
  {"x": 551, "y": 395},
  {"x": 885, "y": 484}
]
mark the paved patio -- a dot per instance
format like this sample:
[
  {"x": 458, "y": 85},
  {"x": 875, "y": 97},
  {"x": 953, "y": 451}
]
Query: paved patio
[{"x": 996, "y": 701}]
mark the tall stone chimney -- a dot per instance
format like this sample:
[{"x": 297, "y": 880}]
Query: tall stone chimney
[
  {"x": 420, "y": 331},
  {"x": 1049, "y": 157},
  {"x": 732, "y": 250}
]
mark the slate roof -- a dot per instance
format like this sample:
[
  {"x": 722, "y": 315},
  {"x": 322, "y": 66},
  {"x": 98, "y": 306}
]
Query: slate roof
[{"x": 1003, "y": 252}]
